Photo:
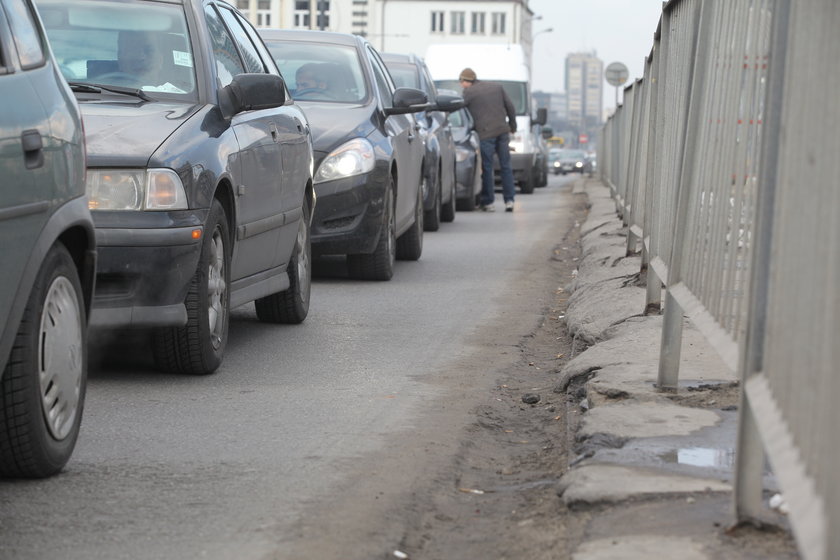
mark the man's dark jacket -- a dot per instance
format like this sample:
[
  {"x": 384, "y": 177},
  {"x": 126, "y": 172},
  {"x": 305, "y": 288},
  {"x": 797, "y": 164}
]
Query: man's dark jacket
[{"x": 489, "y": 104}]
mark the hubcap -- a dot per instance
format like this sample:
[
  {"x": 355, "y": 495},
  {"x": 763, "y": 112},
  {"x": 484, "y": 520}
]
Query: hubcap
[
  {"x": 60, "y": 357},
  {"x": 216, "y": 289}
]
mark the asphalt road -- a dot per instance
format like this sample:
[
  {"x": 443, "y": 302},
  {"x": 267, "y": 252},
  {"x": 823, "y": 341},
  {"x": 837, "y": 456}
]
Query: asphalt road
[{"x": 227, "y": 466}]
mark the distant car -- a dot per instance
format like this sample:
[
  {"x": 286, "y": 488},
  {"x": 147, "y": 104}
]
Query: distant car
[
  {"x": 49, "y": 256},
  {"x": 467, "y": 159},
  {"x": 199, "y": 171},
  {"x": 368, "y": 152},
  {"x": 554, "y": 155},
  {"x": 409, "y": 70},
  {"x": 572, "y": 161}
]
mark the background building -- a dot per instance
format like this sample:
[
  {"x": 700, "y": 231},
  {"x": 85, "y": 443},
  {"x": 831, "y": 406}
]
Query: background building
[
  {"x": 584, "y": 94},
  {"x": 402, "y": 26}
]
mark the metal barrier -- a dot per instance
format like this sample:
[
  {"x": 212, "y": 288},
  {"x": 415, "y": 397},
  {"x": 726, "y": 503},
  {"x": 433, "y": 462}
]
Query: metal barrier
[{"x": 723, "y": 162}]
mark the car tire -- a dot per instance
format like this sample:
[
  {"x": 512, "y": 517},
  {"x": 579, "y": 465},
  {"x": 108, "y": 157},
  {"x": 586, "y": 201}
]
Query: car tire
[
  {"x": 410, "y": 243},
  {"x": 527, "y": 186},
  {"x": 379, "y": 265},
  {"x": 447, "y": 210},
  {"x": 43, "y": 385},
  {"x": 197, "y": 348},
  {"x": 291, "y": 306},
  {"x": 431, "y": 217}
]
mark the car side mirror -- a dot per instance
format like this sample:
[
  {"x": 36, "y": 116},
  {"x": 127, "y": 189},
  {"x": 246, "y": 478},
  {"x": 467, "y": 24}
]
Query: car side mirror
[
  {"x": 408, "y": 100},
  {"x": 252, "y": 92},
  {"x": 448, "y": 103},
  {"x": 547, "y": 132},
  {"x": 542, "y": 116}
]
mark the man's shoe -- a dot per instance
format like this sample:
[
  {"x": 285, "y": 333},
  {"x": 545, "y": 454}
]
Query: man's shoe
[
  {"x": 509, "y": 206},
  {"x": 487, "y": 208}
]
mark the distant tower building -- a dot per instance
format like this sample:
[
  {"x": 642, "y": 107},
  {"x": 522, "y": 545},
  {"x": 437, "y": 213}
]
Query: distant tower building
[{"x": 584, "y": 90}]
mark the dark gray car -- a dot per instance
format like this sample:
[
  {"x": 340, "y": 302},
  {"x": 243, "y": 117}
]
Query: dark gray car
[
  {"x": 199, "y": 170},
  {"x": 48, "y": 247},
  {"x": 409, "y": 70}
]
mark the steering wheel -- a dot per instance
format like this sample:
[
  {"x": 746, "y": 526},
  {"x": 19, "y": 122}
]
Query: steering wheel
[{"x": 313, "y": 94}]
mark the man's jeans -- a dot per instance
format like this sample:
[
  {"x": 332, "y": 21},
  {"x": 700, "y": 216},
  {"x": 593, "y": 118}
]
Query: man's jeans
[{"x": 498, "y": 146}]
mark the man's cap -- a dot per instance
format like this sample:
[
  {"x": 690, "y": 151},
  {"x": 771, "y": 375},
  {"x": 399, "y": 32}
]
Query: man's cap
[{"x": 467, "y": 74}]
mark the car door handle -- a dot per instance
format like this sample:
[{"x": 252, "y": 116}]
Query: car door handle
[
  {"x": 273, "y": 128},
  {"x": 33, "y": 149}
]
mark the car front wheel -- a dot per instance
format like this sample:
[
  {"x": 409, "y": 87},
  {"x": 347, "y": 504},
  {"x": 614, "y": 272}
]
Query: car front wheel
[
  {"x": 43, "y": 385},
  {"x": 197, "y": 347},
  {"x": 379, "y": 265},
  {"x": 410, "y": 243},
  {"x": 291, "y": 306}
]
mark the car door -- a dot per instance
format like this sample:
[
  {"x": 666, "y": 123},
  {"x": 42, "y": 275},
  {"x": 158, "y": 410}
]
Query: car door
[
  {"x": 408, "y": 146},
  {"x": 441, "y": 128},
  {"x": 257, "y": 167},
  {"x": 26, "y": 185}
]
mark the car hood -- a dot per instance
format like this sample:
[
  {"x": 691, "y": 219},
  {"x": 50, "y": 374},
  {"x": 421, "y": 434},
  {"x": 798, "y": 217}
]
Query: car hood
[
  {"x": 127, "y": 134},
  {"x": 332, "y": 124}
]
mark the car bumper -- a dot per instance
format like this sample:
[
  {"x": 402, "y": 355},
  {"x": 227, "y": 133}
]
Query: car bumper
[
  {"x": 465, "y": 180},
  {"x": 143, "y": 275},
  {"x": 348, "y": 216}
]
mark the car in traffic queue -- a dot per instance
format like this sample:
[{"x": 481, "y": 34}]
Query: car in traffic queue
[
  {"x": 199, "y": 171},
  {"x": 439, "y": 198},
  {"x": 49, "y": 253},
  {"x": 369, "y": 156},
  {"x": 572, "y": 161},
  {"x": 467, "y": 158}
]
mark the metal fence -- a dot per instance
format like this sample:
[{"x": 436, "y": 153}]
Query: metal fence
[{"x": 724, "y": 161}]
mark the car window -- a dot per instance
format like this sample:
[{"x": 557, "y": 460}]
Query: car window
[
  {"x": 253, "y": 63},
  {"x": 228, "y": 63},
  {"x": 26, "y": 36},
  {"x": 404, "y": 75},
  {"x": 382, "y": 79},
  {"x": 138, "y": 44},
  {"x": 320, "y": 71},
  {"x": 268, "y": 60}
]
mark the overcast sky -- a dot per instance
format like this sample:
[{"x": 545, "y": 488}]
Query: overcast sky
[{"x": 617, "y": 30}]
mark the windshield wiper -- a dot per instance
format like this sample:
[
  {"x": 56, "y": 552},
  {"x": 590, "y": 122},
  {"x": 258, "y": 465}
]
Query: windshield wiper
[{"x": 97, "y": 88}]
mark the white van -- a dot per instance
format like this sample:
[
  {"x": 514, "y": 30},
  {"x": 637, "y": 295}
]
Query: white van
[{"x": 506, "y": 65}]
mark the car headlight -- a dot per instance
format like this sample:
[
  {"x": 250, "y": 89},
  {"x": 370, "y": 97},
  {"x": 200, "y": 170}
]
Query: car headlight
[
  {"x": 462, "y": 154},
  {"x": 135, "y": 189},
  {"x": 351, "y": 158}
]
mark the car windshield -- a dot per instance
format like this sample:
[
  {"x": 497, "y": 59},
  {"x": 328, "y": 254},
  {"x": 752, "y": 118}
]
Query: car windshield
[
  {"x": 135, "y": 44},
  {"x": 517, "y": 91},
  {"x": 320, "y": 72},
  {"x": 404, "y": 75}
]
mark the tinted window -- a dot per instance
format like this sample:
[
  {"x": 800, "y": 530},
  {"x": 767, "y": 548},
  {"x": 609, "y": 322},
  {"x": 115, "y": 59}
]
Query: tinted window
[
  {"x": 246, "y": 47},
  {"x": 258, "y": 43},
  {"x": 228, "y": 63},
  {"x": 26, "y": 36}
]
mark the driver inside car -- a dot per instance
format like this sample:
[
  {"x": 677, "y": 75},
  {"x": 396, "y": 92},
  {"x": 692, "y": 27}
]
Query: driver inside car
[{"x": 139, "y": 58}]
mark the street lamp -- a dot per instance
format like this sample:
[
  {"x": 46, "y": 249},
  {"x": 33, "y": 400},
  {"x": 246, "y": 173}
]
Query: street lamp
[{"x": 549, "y": 30}]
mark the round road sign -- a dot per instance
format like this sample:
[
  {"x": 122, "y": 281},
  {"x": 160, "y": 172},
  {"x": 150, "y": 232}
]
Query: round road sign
[{"x": 616, "y": 74}]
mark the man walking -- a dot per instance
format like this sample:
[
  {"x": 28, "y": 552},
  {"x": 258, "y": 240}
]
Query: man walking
[{"x": 489, "y": 105}]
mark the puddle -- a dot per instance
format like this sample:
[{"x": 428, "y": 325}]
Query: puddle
[{"x": 701, "y": 457}]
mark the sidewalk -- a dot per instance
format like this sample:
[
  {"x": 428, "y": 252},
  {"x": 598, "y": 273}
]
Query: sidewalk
[{"x": 651, "y": 473}]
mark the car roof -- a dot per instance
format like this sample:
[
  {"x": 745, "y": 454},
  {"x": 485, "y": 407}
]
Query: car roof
[
  {"x": 399, "y": 57},
  {"x": 309, "y": 35}
]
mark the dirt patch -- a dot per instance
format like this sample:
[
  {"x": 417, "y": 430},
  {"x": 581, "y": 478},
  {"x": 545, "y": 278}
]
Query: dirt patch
[{"x": 724, "y": 396}]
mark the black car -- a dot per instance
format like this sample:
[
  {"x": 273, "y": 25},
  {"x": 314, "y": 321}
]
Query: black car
[
  {"x": 409, "y": 70},
  {"x": 199, "y": 170},
  {"x": 368, "y": 152},
  {"x": 49, "y": 258},
  {"x": 467, "y": 158}
]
